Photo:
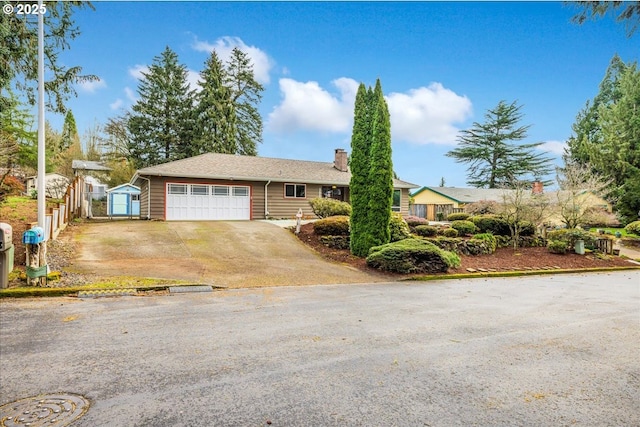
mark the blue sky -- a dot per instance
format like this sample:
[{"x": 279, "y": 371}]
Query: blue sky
[{"x": 441, "y": 64}]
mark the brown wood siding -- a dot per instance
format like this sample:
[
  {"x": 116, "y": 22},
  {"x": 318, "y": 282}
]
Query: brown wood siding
[
  {"x": 287, "y": 207},
  {"x": 158, "y": 194},
  {"x": 144, "y": 199}
]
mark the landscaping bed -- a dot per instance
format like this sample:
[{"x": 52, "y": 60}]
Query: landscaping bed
[{"x": 504, "y": 259}]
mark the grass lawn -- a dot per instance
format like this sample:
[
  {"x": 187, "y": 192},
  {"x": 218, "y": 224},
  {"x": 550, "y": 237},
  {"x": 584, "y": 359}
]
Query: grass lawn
[{"x": 613, "y": 231}]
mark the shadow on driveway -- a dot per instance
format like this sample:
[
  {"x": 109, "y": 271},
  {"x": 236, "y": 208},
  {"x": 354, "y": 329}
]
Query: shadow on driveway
[{"x": 224, "y": 253}]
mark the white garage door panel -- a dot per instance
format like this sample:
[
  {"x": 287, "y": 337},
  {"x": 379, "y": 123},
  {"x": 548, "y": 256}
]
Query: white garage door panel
[{"x": 200, "y": 202}]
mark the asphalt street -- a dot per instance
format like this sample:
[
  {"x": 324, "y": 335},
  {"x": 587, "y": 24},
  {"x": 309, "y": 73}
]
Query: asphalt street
[{"x": 549, "y": 350}]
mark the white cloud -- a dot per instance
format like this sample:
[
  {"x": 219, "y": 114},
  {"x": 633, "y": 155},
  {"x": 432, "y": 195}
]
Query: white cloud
[
  {"x": 137, "y": 70},
  {"x": 428, "y": 114},
  {"x": 307, "y": 106},
  {"x": 117, "y": 104},
  {"x": 192, "y": 79},
  {"x": 131, "y": 95},
  {"x": 92, "y": 86},
  {"x": 553, "y": 147},
  {"x": 223, "y": 46}
]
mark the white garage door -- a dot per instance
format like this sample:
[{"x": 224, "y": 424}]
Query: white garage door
[{"x": 207, "y": 202}]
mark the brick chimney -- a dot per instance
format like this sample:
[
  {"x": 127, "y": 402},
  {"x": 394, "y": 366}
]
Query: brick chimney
[
  {"x": 538, "y": 188},
  {"x": 340, "y": 161}
]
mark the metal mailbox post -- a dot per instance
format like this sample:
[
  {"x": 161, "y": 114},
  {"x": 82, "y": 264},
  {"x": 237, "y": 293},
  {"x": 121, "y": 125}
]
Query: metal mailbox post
[{"x": 6, "y": 254}]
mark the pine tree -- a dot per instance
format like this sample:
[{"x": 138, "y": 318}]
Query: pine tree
[
  {"x": 69, "y": 131},
  {"x": 494, "y": 159},
  {"x": 246, "y": 94},
  {"x": 215, "y": 112},
  {"x": 161, "y": 124},
  {"x": 380, "y": 172},
  {"x": 359, "y": 165}
]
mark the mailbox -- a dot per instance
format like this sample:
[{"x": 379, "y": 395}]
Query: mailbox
[
  {"x": 6, "y": 233},
  {"x": 33, "y": 236}
]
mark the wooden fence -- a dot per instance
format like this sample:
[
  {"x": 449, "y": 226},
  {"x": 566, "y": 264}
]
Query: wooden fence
[{"x": 73, "y": 205}]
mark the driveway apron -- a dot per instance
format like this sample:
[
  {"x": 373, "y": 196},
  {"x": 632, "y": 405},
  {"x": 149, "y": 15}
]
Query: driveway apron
[{"x": 223, "y": 253}]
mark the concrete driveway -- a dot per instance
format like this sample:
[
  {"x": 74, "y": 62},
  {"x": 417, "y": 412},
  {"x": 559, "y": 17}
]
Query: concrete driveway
[
  {"x": 528, "y": 351},
  {"x": 223, "y": 253}
]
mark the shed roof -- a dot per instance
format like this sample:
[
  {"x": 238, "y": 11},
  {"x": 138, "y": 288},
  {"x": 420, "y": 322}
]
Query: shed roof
[
  {"x": 254, "y": 168},
  {"x": 88, "y": 165},
  {"x": 124, "y": 186}
]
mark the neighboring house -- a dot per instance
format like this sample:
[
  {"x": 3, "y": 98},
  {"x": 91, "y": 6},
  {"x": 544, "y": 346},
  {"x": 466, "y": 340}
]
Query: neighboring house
[
  {"x": 86, "y": 167},
  {"x": 123, "y": 200},
  {"x": 433, "y": 203},
  {"x": 55, "y": 185},
  {"x": 95, "y": 188},
  {"x": 215, "y": 186}
]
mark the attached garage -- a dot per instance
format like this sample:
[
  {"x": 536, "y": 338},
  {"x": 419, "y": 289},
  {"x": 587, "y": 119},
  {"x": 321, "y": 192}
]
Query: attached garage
[{"x": 205, "y": 202}]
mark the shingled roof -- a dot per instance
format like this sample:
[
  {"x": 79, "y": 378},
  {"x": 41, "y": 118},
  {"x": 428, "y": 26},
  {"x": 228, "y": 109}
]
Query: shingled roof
[
  {"x": 468, "y": 195},
  {"x": 254, "y": 168}
]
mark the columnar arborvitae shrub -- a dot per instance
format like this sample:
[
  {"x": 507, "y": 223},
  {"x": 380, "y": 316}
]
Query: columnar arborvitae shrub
[
  {"x": 380, "y": 173},
  {"x": 371, "y": 185},
  {"x": 359, "y": 165}
]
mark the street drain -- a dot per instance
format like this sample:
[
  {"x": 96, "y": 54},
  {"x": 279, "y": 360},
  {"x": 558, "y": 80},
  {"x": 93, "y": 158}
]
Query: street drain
[{"x": 45, "y": 410}]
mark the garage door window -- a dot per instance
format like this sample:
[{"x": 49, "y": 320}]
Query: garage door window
[
  {"x": 295, "y": 190},
  {"x": 240, "y": 191},
  {"x": 220, "y": 191},
  {"x": 177, "y": 189},
  {"x": 199, "y": 190}
]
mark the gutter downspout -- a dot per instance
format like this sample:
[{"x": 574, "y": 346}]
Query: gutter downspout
[
  {"x": 148, "y": 195},
  {"x": 266, "y": 208}
]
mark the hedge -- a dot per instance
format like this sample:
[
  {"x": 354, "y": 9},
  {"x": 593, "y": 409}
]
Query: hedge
[
  {"x": 335, "y": 242},
  {"x": 412, "y": 256},
  {"x": 557, "y": 247},
  {"x": 450, "y": 232},
  {"x": 332, "y": 226},
  {"x": 458, "y": 216},
  {"x": 473, "y": 246},
  {"x": 570, "y": 235},
  {"x": 491, "y": 224}
]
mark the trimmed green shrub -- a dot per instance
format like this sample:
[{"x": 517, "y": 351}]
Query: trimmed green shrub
[
  {"x": 324, "y": 207},
  {"x": 489, "y": 238},
  {"x": 451, "y": 244},
  {"x": 464, "y": 227},
  {"x": 332, "y": 226},
  {"x": 414, "y": 221},
  {"x": 426, "y": 230},
  {"x": 633, "y": 228},
  {"x": 335, "y": 242},
  {"x": 471, "y": 246},
  {"x": 491, "y": 224},
  {"x": 458, "y": 216},
  {"x": 527, "y": 228},
  {"x": 450, "y": 232},
  {"x": 570, "y": 235},
  {"x": 398, "y": 228},
  {"x": 557, "y": 247},
  {"x": 412, "y": 256}
]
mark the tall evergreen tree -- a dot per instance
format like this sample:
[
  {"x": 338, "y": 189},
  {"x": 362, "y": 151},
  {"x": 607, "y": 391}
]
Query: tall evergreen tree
[
  {"x": 494, "y": 159},
  {"x": 69, "y": 131},
  {"x": 19, "y": 54},
  {"x": 216, "y": 129},
  {"x": 246, "y": 94},
  {"x": 380, "y": 172},
  {"x": 359, "y": 165},
  {"x": 161, "y": 124},
  {"x": 607, "y": 134}
]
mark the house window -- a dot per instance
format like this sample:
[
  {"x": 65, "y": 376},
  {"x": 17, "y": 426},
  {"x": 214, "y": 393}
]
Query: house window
[
  {"x": 295, "y": 190},
  {"x": 199, "y": 190},
  {"x": 395, "y": 205},
  {"x": 177, "y": 189},
  {"x": 220, "y": 191},
  {"x": 240, "y": 191},
  {"x": 135, "y": 197}
]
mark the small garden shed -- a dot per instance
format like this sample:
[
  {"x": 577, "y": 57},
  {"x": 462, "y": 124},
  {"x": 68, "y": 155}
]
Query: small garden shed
[{"x": 123, "y": 200}]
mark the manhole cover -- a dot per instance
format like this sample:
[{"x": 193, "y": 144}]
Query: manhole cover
[{"x": 45, "y": 410}]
